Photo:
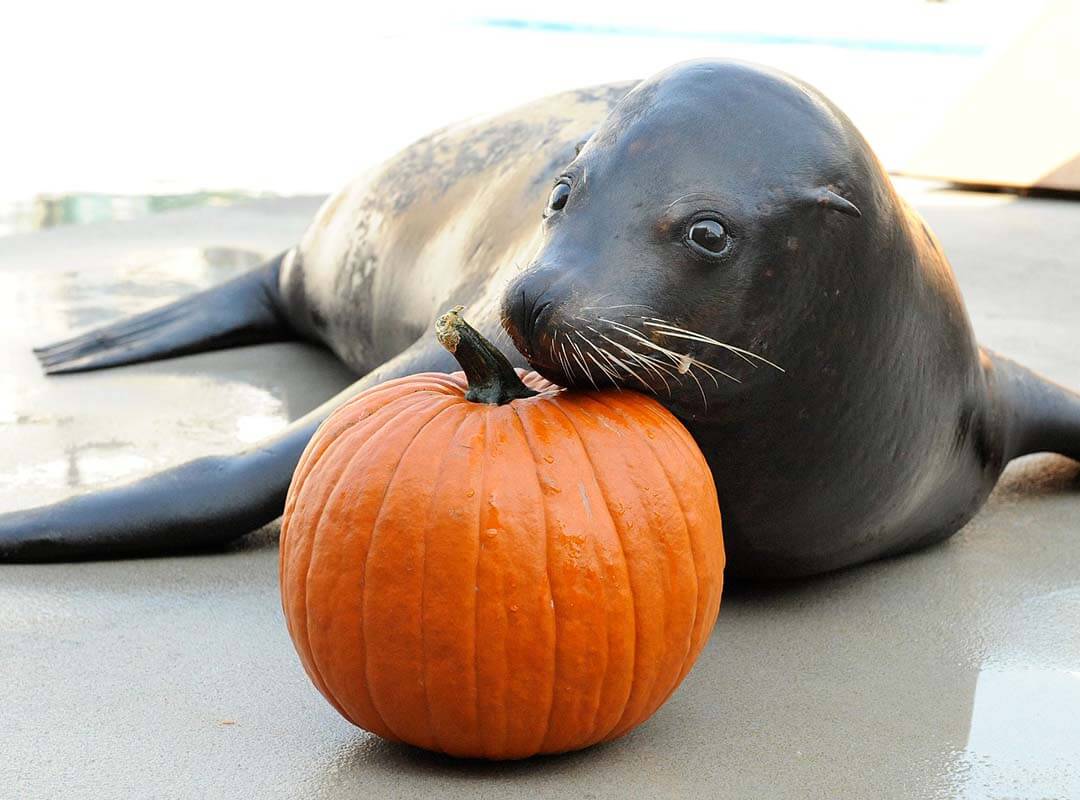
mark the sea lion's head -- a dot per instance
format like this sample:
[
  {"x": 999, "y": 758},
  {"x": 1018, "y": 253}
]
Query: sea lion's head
[{"x": 714, "y": 210}]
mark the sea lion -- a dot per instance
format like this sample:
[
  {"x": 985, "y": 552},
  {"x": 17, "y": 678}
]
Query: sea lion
[{"x": 719, "y": 235}]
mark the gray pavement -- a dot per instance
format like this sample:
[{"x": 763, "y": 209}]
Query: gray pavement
[{"x": 953, "y": 672}]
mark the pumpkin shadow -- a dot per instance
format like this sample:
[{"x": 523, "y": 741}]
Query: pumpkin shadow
[{"x": 398, "y": 757}]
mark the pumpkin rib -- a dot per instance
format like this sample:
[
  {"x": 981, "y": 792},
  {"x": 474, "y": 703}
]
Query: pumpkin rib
[
  {"x": 353, "y": 432},
  {"x": 547, "y": 571},
  {"x": 303, "y": 637},
  {"x": 449, "y": 562},
  {"x": 650, "y": 704},
  {"x": 680, "y": 441},
  {"x": 646, "y": 708},
  {"x": 629, "y": 583},
  {"x": 423, "y": 582},
  {"x": 364, "y": 430},
  {"x": 527, "y": 583},
  {"x": 506, "y": 633},
  {"x": 370, "y": 399},
  {"x": 481, "y": 495},
  {"x": 365, "y": 426},
  {"x": 690, "y": 655},
  {"x": 697, "y": 589},
  {"x": 451, "y": 401},
  {"x": 303, "y": 470},
  {"x": 524, "y": 432},
  {"x": 329, "y": 435},
  {"x": 564, "y": 744},
  {"x": 693, "y": 565},
  {"x": 578, "y": 570}
]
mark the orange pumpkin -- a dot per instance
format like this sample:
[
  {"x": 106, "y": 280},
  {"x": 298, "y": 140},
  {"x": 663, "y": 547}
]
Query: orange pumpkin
[{"x": 490, "y": 570}]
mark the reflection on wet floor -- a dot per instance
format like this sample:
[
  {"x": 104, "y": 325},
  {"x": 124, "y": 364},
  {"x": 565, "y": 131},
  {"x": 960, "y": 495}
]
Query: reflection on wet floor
[
  {"x": 88, "y": 299},
  {"x": 51, "y": 210},
  {"x": 65, "y": 434},
  {"x": 1025, "y": 734}
]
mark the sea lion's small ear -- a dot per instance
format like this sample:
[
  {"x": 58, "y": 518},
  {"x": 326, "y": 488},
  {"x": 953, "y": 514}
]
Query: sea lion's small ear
[
  {"x": 581, "y": 144},
  {"x": 831, "y": 200}
]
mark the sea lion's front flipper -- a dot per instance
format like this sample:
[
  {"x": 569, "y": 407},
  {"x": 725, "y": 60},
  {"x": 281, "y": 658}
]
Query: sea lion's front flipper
[
  {"x": 197, "y": 505},
  {"x": 245, "y": 310}
]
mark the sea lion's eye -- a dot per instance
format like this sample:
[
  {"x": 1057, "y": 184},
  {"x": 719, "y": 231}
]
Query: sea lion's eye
[
  {"x": 707, "y": 236},
  {"x": 558, "y": 197}
]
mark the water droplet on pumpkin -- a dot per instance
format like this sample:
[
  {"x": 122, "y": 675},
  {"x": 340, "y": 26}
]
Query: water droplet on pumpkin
[
  {"x": 470, "y": 493},
  {"x": 549, "y": 459},
  {"x": 514, "y": 607},
  {"x": 549, "y": 486},
  {"x": 492, "y": 532}
]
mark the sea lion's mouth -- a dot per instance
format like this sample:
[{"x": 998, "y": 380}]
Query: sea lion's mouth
[
  {"x": 631, "y": 346},
  {"x": 603, "y": 348}
]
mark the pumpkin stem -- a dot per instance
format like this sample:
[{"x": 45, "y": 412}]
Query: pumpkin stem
[{"x": 491, "y": 378}]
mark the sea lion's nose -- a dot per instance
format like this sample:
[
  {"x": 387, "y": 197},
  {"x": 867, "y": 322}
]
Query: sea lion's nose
[{"x": 528, "y": 305}]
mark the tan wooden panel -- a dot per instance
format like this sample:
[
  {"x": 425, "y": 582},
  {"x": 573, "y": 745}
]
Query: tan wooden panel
[{"x": 1019, "y": 126}]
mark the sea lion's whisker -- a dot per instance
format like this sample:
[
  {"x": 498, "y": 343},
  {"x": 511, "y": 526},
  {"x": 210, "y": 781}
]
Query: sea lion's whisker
[
  {"x": 585, "y": 369},
  {"x": 577, "y": 354},
  {"x": 704, "y": 399},
  {"x": 574, "y": 344},
  {"x": 709, "y": 368},
  {"x": 667, "y": 329},
  {"x": 650, "y": 344},
  {"x": 611, "y": 308},
  {"x": 607, "y": 372},
  {"x": 644, "y": 362},
  {"x": 565, "y": 361},
  {"x": 712, "y": 371},
  {"x": 656, "y": 365},
  {"x": 660, "y": 365},
  {"x": 613, "y": 377},
  {"x": 734, "y": 351},
  {"x": 683, "y": 362},
  {"x": 676, "y": 358},
  {"x": 637, "y": 357},
  {"x": 616, "y": 362},
  {"x": 620, "y": 363}
]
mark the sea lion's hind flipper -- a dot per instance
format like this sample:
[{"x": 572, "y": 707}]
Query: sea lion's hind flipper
[
  {"x": 1035, "y": 414},
  {"x": 245, "y": 310}
]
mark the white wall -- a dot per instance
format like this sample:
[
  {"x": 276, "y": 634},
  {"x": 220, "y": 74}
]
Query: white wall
[{"x": 120, "y": 96}]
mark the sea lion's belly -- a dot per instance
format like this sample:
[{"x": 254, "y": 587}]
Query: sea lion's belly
[{"x": 446, "y": 221}]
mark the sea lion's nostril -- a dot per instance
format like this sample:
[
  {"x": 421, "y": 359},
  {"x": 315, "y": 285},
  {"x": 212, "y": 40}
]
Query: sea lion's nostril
[
  {"x": 528, "y": 310},
  {"x": 539, "y": 309}
]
